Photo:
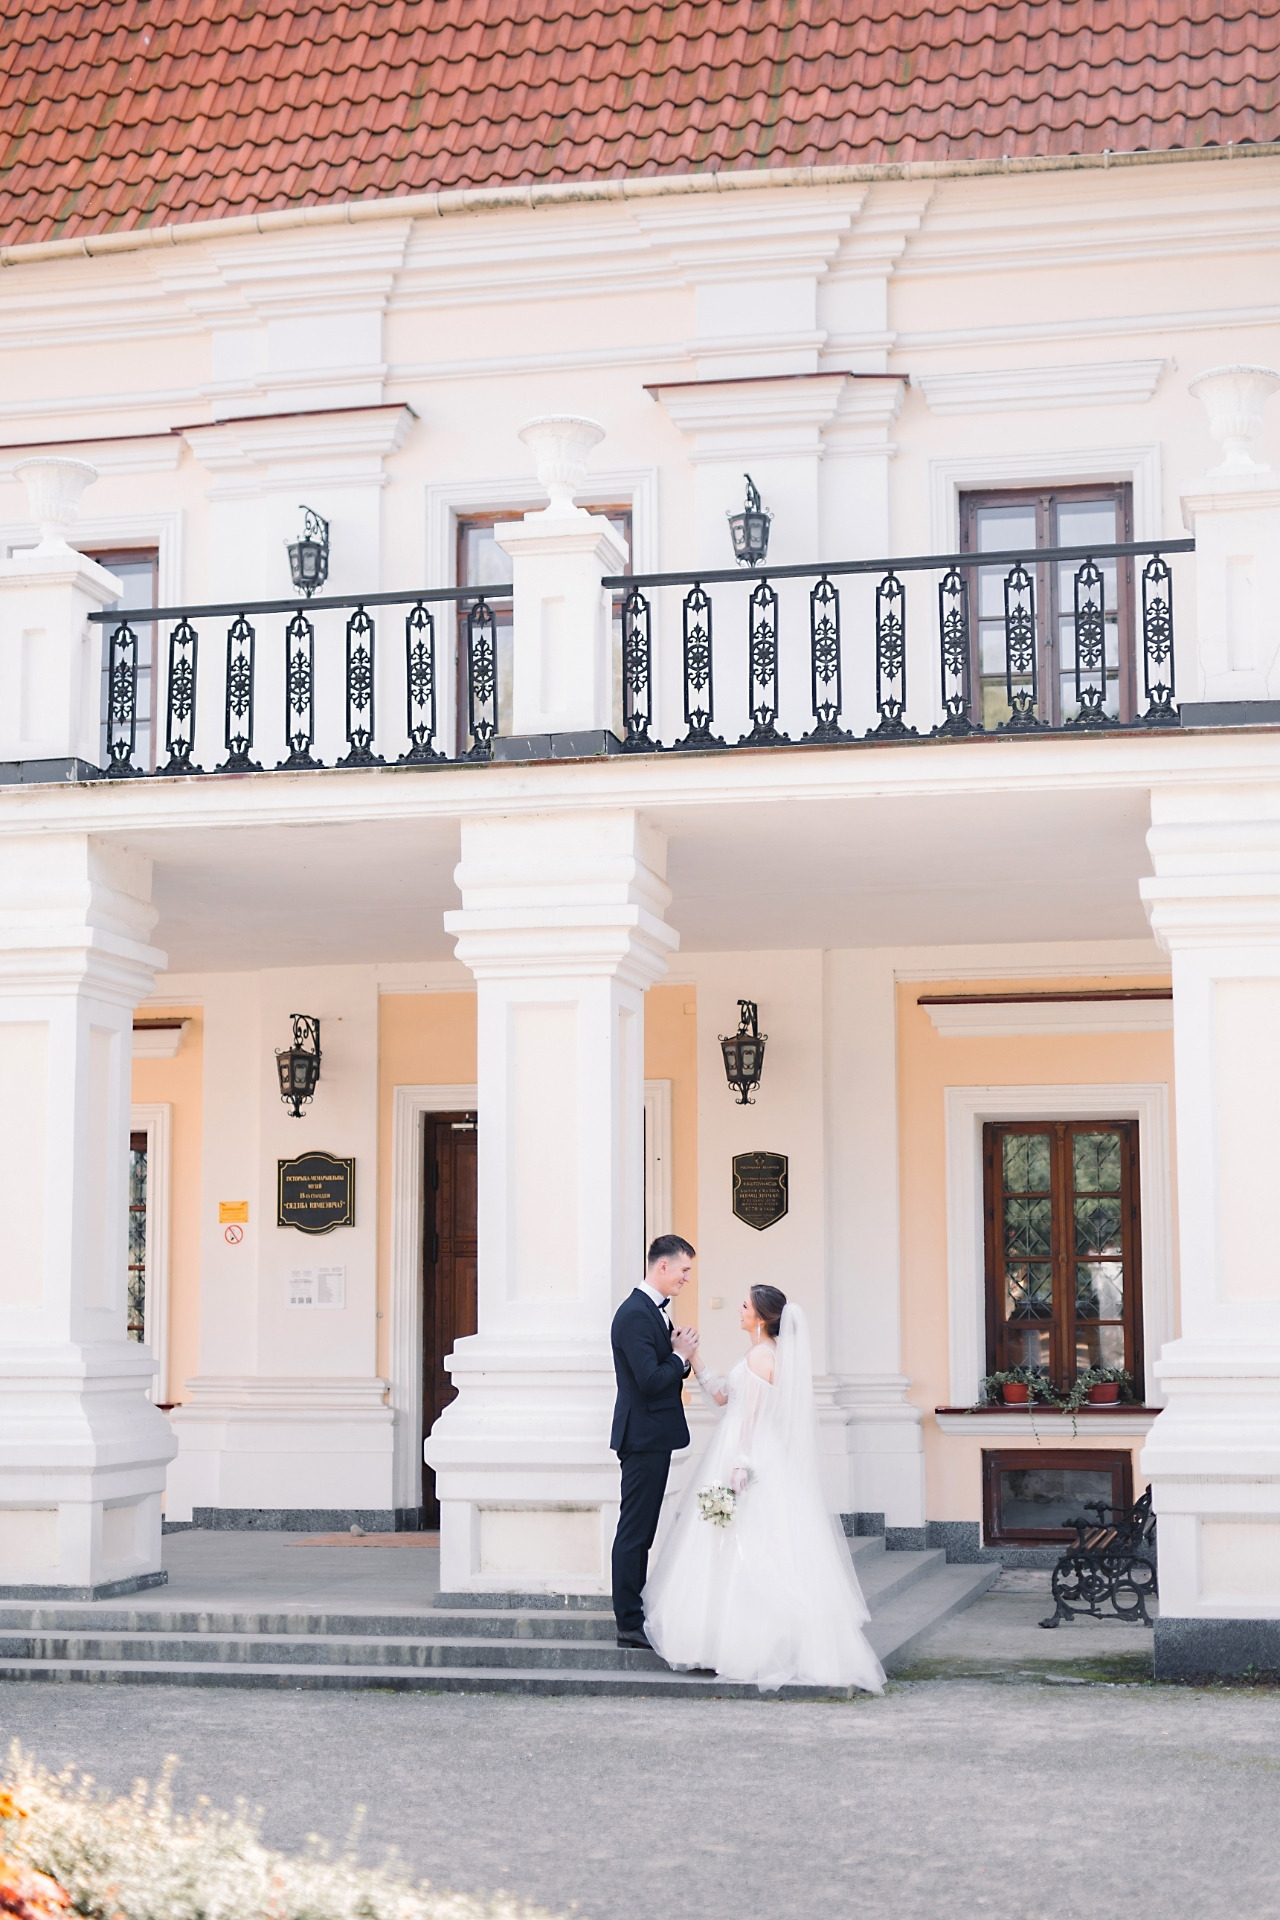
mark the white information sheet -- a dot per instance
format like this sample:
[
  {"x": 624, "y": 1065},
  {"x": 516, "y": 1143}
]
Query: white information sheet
[{"x": 317, "y": 1286}]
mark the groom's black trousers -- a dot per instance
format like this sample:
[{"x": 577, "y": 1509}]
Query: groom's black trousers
[{"x": 644, "y": 1481}]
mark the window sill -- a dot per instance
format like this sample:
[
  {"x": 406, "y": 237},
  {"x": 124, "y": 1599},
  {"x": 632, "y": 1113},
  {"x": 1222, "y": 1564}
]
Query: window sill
[{"x": 1006, "y": 1422}]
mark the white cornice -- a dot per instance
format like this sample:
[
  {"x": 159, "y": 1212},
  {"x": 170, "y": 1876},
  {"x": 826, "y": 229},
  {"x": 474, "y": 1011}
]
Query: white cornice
[
  {"x": 1016, "y": 389},
  {"x": 278, "y": 450},
  {"x": 772, "y": 417},
  {"x": 535, "y": 198},
  {"x": 138, "y": 453}
]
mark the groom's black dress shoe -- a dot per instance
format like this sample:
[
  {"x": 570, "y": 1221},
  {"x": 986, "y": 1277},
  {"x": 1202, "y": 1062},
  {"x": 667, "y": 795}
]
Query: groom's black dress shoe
[{"x": 635, "y": 1640}]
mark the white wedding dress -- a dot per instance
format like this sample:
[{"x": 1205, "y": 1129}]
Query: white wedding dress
[{"x": 772, "y": 1597}]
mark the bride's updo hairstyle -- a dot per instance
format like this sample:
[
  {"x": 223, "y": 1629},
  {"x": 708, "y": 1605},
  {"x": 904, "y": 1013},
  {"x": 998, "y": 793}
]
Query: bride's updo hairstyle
[{"x": 768, "y": 1303}]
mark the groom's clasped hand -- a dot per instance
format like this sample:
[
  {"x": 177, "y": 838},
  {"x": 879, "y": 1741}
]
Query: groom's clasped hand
[{"x": 684, "y": 1341}]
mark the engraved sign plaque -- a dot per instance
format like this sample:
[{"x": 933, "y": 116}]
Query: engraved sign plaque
[
  {"x": 759, "y": 1188},
  {"x": 316, "y": 1193}
]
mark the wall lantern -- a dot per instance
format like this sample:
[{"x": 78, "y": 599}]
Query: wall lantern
[
  {"x": 744, "y": 1053},
  {"x": 750, "y": 528},
  {"x": 309, "y": 557},
  {"x": 299, "y": 1065}
]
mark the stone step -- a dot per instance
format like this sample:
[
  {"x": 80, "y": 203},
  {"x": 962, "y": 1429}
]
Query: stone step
[
  {"x": 897, "y": 1631},
  {"x": 884, "y": 1578},
  {"x": 562, "y": 1681},
  {"x": 496, "y": 1624},
  {"x": 314, "y": 1649}
]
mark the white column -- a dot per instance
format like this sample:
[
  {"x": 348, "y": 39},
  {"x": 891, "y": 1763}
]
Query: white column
[
  {"x": 1234, "y": 513},
  {"x": 563, "y": 679},
  {"x": 1214, "y": 1452},
  {"x": 82, "y": 1449},
  {"x": 886, "y": 1458},
  {"x": 562, "y": 925},
  {"x": 50, "y": 654}
]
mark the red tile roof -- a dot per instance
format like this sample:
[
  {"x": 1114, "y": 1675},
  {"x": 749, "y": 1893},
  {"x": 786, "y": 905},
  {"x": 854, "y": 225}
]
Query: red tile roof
[{"x": 128, "y": 113}]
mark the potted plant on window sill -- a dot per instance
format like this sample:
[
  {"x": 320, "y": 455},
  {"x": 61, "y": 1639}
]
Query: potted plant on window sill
[
  {"x": 1015, "y": 1387},
  {"x": 1099, "y": 1387}
]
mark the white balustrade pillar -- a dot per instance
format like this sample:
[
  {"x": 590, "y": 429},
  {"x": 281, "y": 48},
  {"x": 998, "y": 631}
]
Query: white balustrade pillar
[
  {"x": 563, "y": 678},
  {"x": 885, "y": 1460},
  {"x": 82, "y": 1449},
  {"x": 562, "y": 925},
  {"x": 1234, "y": 513},
  {"x": 1213, "y": 1454},
  {"x": 50, "y": 654}
]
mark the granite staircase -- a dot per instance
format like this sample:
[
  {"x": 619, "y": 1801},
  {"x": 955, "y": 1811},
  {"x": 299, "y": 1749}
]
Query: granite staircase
[{"x": 466, "y": 1643}]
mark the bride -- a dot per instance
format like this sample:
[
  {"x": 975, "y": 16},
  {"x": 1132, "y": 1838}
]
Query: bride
[{"x": 771, "y": 1597}]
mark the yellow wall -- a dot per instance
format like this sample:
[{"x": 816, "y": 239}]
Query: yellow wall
[
  {"x": 177, "y": 1083},
  {"x": 429, "y": 1039},
  {"x": 927, "y": 1065}
]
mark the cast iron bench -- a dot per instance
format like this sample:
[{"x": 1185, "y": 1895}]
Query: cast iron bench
[{"x": 1113, "y": 1563}]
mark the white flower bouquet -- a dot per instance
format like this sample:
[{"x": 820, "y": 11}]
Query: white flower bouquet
[{"x": 717, "y": 1504}]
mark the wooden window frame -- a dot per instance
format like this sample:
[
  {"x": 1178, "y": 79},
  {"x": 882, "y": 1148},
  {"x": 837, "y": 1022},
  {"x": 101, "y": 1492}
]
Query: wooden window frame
[
  {"x": 148, "y": 749},
  {"x": 1077, "y": 1459},
  {"x": 1045, "y": 501},
  {"x": 1062, "y": 1325}
]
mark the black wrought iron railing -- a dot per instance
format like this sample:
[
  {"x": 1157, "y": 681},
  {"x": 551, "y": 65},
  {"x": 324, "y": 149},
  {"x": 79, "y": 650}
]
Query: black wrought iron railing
[
  {"x": 212, "y": 701},
  {"x": 1024, "y": 642},
  {"x": 1020, "y": 642}
]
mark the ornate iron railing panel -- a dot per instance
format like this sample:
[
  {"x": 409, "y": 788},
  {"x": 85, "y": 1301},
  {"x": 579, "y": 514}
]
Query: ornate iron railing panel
[
  {"x": 482, "y": 681},
  {"x": 420, "y": 687},
  {"x": 826, "y": 669},
  {"x": 238, "y": 735},
  {"x": 891, "y": 658},
  {"x": 360, "y": 692},
  {"x": 955, "y": 654},
  {"x": 180, "y": 699},
  {"x": 699, "y": 687},
  {"x": 300, "y": 692},
  {"x": 637, "y": 673},
  {"x": 122, "y": 702},
  {"x": 762, "y": 669},
  {"x": 1044, "y": 648},
  {"x": 1157, "y": 643}
]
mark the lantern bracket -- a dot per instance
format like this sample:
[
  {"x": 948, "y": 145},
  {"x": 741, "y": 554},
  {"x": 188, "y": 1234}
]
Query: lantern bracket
[
  {"x": 298, "y": 1066},
  {"x": 744, "y": 1053}
]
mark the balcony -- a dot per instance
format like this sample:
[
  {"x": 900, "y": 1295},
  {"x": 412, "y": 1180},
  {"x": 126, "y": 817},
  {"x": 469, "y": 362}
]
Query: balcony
[{"x": 874, "y": 652}]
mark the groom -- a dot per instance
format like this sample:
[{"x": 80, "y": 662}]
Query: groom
[{"x": 651, "y": 1361}]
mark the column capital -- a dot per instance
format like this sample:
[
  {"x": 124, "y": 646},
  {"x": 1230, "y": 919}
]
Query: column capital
[
  {"x": 1216, "y": 854},
  {"x": 563, "y": 894},
  {"x": 75, "y": 915}
]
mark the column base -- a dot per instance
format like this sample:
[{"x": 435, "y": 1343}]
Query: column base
[
  {"x": 1216, "y": 1649},
  {"x": 884, "y": 1438},
  {"x": 527, "y": 1485},
  {"x": 82, "y": 1467},
  {"x": 295, "y": 1446},
  {"x": 105, "y": 1589}
]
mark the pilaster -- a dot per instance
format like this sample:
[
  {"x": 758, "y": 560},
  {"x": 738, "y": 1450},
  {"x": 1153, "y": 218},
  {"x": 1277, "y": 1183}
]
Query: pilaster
[
  {"x": 1214, "y": 1452},
  {"x": 82, "y": 1449}
]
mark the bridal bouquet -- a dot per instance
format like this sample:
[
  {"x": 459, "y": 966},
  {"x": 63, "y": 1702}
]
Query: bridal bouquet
[{"x": 716, "y": 1504}]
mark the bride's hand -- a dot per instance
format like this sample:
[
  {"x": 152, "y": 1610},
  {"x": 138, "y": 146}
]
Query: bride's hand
[{"x": 738, "y": 1479}]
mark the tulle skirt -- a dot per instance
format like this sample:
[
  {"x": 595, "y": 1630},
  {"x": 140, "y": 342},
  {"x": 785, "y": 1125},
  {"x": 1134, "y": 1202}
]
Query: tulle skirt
[{"x": 771, "y": 1598}]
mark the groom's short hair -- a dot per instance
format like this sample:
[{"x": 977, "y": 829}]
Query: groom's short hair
[{"x": 669, "y": 1246}]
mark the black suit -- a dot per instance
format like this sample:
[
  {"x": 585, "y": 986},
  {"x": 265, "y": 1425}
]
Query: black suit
[{"x": 648, "y": 1426}]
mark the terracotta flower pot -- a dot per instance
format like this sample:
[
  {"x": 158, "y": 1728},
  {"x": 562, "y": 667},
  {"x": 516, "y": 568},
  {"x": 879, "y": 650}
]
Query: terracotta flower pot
[
  {"x": 1105, "y": 1395},
  {"x": 1016, "y": 1393}
]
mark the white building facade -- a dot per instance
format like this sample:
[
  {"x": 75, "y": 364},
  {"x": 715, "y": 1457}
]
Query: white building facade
[{"x": 987, "y": 938}]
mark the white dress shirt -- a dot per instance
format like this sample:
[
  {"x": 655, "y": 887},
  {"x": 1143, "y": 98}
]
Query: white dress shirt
[{"x": 663, "y": 1304}]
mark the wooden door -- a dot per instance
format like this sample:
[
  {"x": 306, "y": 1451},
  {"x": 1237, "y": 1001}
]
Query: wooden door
[{"x": 448, "y": 1265}]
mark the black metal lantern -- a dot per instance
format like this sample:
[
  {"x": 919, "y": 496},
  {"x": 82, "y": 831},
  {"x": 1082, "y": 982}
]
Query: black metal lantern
[
  {"x": 309, "y": 557},
  {"x": 744, "y": 1053},
  {"x": 750, "y": 528},
  {"x": 299, "y": 1065}
]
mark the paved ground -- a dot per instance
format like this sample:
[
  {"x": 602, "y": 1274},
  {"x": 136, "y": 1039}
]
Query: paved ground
[{"x": 1020, "y": 1797}]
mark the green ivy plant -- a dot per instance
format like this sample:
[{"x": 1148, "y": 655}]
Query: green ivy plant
[{"x": 1041, "y": 1388}]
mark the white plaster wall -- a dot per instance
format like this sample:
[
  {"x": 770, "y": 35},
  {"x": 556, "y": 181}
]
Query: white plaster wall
[
  {"x": 287, "y": 1409},
  {"x": 787, "y": 1117}
]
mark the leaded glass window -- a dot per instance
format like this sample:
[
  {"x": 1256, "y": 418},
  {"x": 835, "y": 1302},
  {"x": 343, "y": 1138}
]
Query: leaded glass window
[
  {"x": 137, "y": 1320},
  {"x": 1063, "y": 1253}
]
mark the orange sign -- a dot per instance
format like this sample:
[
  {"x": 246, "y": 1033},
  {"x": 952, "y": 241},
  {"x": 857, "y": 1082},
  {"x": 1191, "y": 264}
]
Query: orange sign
[{"x": 233, "y": 1213}]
